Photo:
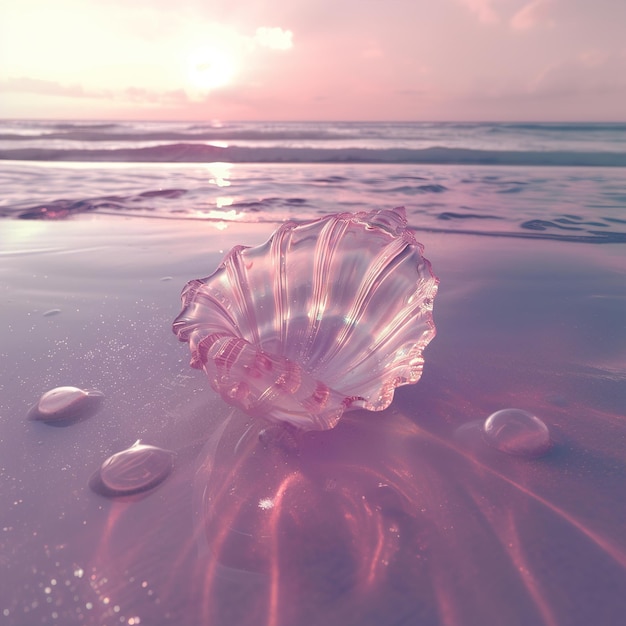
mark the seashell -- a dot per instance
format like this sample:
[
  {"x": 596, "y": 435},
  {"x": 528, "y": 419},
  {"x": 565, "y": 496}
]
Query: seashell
[
  {"x": 134, "y": 470},
  {"x": 63, "y": 406},
  {"x": 327, "y": 316}
]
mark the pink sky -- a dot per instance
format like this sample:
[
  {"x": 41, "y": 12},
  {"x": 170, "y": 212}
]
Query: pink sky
[{"x": 314, "y": 59}]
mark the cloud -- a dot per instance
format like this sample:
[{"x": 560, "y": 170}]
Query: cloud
[
  {"x": 483, "y": 9},
  {"x": 24, "y": 84},
  {"x": 136, "y": 95},
  {"x": 532, "y": 13},
  {"x": 591, "y": 71},
  {"x": 274, "y": 38},
  {"x": 535, "y": 13},
  {"x": 147, "y": 96}
]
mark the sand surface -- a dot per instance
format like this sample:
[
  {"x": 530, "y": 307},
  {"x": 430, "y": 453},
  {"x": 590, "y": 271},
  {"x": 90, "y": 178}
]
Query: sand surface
[{"x": 399, "y": 517}]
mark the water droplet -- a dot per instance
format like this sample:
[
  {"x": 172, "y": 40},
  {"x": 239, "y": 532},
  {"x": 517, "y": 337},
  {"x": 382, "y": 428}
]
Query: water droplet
[
  {"x": 63, "y": 406},
  {"x": 517, "y": 432},
  {"x": 134, "y": 470}
]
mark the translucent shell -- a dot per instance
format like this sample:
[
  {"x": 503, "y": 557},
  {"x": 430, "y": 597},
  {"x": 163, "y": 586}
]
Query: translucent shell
[{"x": 326, "y": 316}]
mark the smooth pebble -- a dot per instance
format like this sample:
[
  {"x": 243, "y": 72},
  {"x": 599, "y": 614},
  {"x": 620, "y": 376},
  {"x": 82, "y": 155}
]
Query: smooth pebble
[
  {"x": 62, "y": 406},
  {"x": 134, "y": 470}
]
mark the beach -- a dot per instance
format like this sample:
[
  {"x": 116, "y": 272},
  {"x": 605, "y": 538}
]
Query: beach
[{"x": 403, "y": 516}]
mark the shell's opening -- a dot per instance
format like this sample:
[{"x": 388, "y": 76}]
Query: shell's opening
[{"x": 325, "y": 316}]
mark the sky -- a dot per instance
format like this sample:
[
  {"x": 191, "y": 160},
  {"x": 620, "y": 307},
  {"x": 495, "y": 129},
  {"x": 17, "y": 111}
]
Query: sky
[{"x": 468, "y": 60}]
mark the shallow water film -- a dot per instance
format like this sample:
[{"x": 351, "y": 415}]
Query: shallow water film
[{"x": 435, "y": 511}]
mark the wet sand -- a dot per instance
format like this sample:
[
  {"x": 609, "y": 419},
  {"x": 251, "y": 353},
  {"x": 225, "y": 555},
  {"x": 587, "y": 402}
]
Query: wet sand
[{"x": 404, "y": 516}]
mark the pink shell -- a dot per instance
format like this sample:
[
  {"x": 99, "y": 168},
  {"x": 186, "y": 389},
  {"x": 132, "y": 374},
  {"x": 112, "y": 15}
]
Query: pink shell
[{"x": 326, "y": 316}]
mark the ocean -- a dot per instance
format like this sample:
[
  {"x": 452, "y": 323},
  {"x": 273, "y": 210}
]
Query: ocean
[
  {"x": 489, "y": 492},
  {"x": 561, "y": 181}
]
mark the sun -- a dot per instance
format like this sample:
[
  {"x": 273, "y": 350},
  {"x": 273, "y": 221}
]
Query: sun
[{"x": 210, "y": 69}]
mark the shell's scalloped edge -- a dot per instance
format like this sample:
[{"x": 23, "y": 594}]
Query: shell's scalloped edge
[{"x": 271, "y": 385}]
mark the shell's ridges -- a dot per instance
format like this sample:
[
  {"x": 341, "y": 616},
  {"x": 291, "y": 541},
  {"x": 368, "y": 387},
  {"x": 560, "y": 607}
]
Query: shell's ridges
[
  {"x": 326, "y": 316},
  {"x": 324, "y": 256}
]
